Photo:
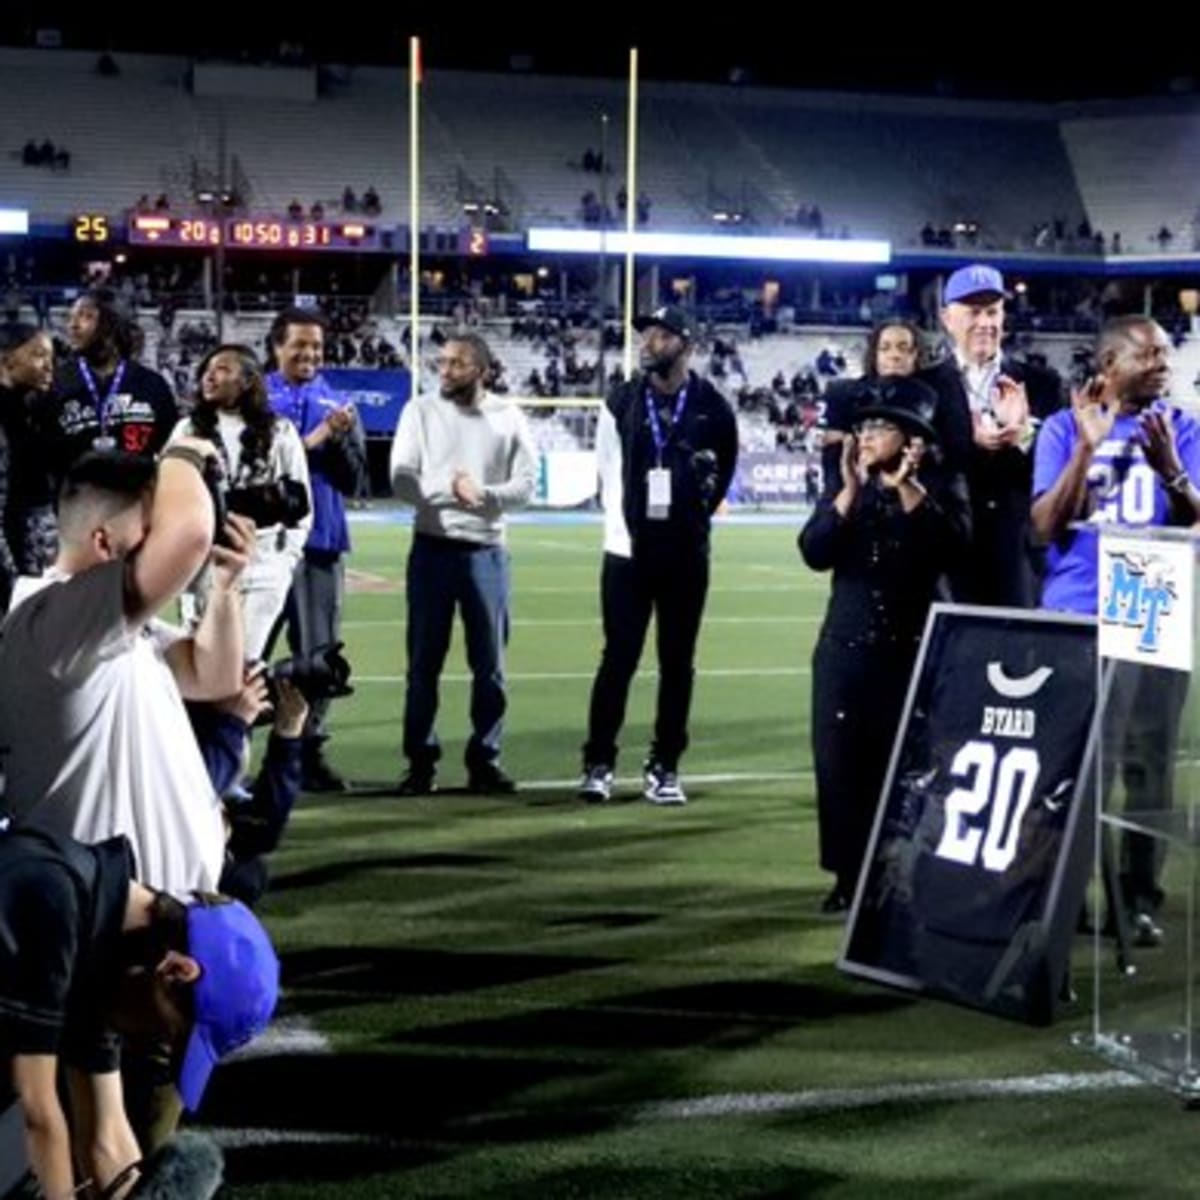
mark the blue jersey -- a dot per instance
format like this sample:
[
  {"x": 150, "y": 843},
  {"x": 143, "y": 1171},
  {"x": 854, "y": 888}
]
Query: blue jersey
[
  {"x": 1122, "y": 489},
  {"x": 306, "y": 405}
]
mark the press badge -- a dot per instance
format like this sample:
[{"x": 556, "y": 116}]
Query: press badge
[{"x": 658, "y": 493}]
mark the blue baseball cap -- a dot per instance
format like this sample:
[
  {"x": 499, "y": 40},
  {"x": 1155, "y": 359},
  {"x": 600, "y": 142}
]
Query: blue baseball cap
[
  {"x": 235, "y": 995},
  {"x": 974, "y": 283}
]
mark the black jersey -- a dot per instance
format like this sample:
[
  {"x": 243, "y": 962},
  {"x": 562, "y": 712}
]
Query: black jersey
[{"x": 981, "y": 804}]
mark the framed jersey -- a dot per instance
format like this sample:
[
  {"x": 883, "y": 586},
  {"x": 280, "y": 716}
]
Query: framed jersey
[{"x": 981, "y": 849}]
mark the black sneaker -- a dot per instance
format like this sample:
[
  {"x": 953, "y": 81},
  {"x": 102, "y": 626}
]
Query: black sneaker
[
  {"x": 418, "y": 781},
  {"x": 490, "y": 780},
  {"x": 318, "y": 776},
  {"x": 836, "y": 902},
  {"x": 597, "y": 783}
]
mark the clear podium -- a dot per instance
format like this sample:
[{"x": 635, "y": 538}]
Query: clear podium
[{"x": 1146, "y": 956}]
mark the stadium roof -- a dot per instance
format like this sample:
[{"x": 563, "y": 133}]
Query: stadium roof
[{"x": 975, "y": 52}]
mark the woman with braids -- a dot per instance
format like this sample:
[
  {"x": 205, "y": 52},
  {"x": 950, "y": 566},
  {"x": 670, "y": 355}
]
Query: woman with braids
[
  {"x": 28, "y": 540},
  {"x": 104, "y": 398},
  {"x": 258, "y": 450}
]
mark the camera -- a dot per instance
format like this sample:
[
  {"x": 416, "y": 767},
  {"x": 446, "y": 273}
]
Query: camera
[
  {"x": 704, "y": 468},
  {"x": 284, "y": 502},
  {"x": 322, "y": 674}
]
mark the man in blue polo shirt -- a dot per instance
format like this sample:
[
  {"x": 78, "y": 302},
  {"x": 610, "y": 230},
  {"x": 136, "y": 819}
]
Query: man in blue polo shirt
[
  {"x": 332, "y": 436},
  {"x": 1122, "y": 455}
]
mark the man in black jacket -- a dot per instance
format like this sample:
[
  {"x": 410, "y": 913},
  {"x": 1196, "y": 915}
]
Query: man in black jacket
[
  {"x": 991, "y": 407},
  {"x": 666, "y": 450}
]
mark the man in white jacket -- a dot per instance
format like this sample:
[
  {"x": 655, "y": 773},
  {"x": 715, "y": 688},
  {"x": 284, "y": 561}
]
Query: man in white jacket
[{"x": 462, "y": 459}]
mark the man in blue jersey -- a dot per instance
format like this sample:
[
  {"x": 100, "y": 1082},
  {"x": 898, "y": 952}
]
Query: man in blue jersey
[
  {"x": 332, "y": 436},
  {"x": 1122, "y": 455}
]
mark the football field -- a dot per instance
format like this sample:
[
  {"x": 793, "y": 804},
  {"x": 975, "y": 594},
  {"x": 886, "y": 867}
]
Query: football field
[{"x": 529, "y": 996}]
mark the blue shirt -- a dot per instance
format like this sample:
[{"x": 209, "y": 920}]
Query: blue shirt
[
  {"x": 1122, "y": 489},
  {"x": 306, "y": 405}
]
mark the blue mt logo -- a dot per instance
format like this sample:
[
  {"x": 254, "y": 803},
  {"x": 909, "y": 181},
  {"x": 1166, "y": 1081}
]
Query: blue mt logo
[{"x": 1140, "y": 592}]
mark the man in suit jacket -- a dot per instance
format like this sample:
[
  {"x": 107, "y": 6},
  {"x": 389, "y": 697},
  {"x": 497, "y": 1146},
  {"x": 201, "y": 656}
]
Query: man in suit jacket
[{"x": 991, "y": 408}]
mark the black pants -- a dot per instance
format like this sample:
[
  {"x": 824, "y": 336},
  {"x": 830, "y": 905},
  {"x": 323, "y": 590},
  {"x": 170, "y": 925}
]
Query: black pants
[
  {"x": 857, "y": 698},
  {"x": 673, "y": 588}
]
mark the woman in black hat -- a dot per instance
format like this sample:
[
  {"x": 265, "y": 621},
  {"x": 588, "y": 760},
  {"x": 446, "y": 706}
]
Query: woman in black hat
[{"x": 888, "y": 534}]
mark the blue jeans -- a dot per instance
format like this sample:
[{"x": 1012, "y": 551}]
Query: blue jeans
[{"x": 444, "y": 574}]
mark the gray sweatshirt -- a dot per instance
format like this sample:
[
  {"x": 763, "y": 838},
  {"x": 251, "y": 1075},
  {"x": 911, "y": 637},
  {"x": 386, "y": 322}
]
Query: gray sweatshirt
[{"x": 491, "y": 442}]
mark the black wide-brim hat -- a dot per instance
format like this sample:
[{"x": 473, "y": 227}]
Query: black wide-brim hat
[{"x": 908, "y": 403}]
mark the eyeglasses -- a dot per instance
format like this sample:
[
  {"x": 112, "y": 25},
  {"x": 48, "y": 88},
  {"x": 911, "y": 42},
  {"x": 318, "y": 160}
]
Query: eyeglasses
[{"x": 875, "y": 425}]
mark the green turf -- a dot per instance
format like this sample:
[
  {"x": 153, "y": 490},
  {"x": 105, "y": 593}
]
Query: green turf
[{"x": 507, "y": 983}]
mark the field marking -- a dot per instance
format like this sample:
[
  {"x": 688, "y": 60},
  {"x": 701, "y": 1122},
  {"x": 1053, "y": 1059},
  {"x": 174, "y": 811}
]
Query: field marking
[
  {"x": 586, "y": 622},
  {"x": 552, "y": 676},
  {"x": 286, "y": 1036},
  {"x": 816, "y": 1101},
  {"x": 635, "y": 781}
]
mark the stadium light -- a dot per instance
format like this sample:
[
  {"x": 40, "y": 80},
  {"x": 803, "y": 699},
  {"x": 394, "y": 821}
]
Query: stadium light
[
  {"x": 14, "y": 220},
  {"x": 731, "y": 247}
]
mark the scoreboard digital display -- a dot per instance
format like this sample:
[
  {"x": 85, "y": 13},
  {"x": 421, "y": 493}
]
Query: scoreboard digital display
[{"x": 253, "y": 233}]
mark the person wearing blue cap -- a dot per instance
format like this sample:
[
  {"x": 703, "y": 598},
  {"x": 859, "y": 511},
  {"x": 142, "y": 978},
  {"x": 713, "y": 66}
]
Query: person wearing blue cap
[
  {"x": 992, "y": 406},
  {"x": 87, "y": 953}
]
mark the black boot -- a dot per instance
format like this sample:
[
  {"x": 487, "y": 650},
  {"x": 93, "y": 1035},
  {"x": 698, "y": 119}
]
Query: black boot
[{"x": 316, "y": 775}]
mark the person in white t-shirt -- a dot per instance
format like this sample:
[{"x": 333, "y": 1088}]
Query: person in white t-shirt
[
  {"x": 95, "y": 738},
  {"x": 259, "y": 451}
]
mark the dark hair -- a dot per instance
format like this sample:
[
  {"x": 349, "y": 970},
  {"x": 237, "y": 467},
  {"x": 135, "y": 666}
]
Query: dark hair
[
  {"x": 254, "y": 405},
  {"x": 871, "y": 355},
  {"x": 14, "y": 334},
  {"x": 127, "y": 475},
  {"x": 1119, "y": 331},
  {"x": 117, "y": 331},
  {"x": 480, "y": 350},
  {"x": 294, "y": 316}
]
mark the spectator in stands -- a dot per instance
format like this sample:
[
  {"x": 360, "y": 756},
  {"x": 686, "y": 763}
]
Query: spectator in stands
[
  {"x": 370, "y": 202},
  {"x": 28, "y": 537},
  {"x": 31, "y": 155},
  {"x": 667, "y": 446},
  {"x": 163, "y": 203},
  {"x": 990, "y": 408},
  {"x": 463, "y": 459},
  {"x": 333, "y": 438},
  {"x": 888, "y": 531},
  {"x": 104, "y": 399},
  {"x": 62, "y": 159},
  {"x": 95, "y": 736},
  {"x": 317, "y": 211},
  {"x": 1124, "y": 455},
  {"x": 46, "y": 153},
  {"x": 349, "y": 200},
  {"x": 87, "y": 952},
  {"x": 262, "y": 457}
]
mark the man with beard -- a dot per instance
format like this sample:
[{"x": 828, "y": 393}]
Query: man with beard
[
  {"x": 333, "y": 440},
  {"x": 104, "y": 399},
  {"x": 666, "y": 449},
  {"x": 86, "y": 953},
  {"x": 462, "y": 459}
]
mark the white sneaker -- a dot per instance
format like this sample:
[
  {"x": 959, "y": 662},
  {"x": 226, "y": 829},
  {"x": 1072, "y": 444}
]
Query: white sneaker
[
  {"x": 596, "y": 784},
  {"x": 662, "y": 786}
]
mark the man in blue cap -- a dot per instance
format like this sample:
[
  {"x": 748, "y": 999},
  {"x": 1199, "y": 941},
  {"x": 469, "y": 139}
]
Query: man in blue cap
[
  {"x": 85, "y": 953},
  {"x": 991, "y": 406}
]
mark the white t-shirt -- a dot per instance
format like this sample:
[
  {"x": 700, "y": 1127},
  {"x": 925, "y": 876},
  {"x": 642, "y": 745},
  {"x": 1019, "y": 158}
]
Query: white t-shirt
[{"x": 95, "y": 738}]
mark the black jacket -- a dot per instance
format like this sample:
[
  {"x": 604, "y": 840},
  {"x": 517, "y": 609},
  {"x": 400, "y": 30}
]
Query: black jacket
[
  {"x": 700, "y": 452},
  {"x": 1000, "y": 567},
  {"x": 886, "y": 563}
]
